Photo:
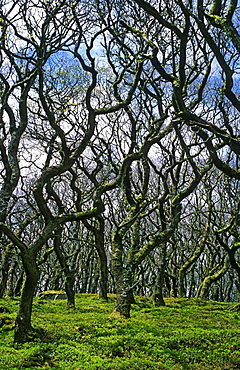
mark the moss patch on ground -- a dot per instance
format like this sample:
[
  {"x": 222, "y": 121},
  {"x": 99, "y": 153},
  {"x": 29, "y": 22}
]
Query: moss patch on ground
[{"x": 185, "y": 334}]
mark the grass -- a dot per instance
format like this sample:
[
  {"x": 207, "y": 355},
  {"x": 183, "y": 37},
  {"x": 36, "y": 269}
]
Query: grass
[{"x": 185, "y": 334}]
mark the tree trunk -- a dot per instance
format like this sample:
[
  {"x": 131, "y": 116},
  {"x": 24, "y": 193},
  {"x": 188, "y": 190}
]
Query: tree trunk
[
  {"x": 203, "y": 290},
  {"x": 98, "y": 231},
  {"x": 69, "y": 284},
  {"x": 69, "y": 275},
  {"x": 173, "y": 291},
  {"x": 23, "y": 327},
  {"x": 122, "y": 277},
  {"x": 158, "y": 291},
  {"x": 3, "y": 282},
  {"x": 56, "y": 283},
  {"x": 215, "y": 293},
  {"x": 181, "y": 283},
  {"x": 9, "y": 288},
  {"x": 95, "y": 279},
  {"x": 19, "y": 283},
  {"x": 103, "y": 281},
  {"x": 228, "y": 291},
  {"x": 124, "y": 293},
  {"x": 158, "y": 288},
  {"x": 192, "y": 284},
  {"x": 5, "y": 268}
]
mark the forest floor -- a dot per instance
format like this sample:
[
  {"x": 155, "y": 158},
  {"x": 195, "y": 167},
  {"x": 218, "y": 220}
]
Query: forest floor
[{"x": 185, "y": 334}]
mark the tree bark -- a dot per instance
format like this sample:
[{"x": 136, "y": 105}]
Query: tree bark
[
  {"x": 122, "y": 277},
  {"x": 124, "y": 293},
  {"x": 203, "y": 290},
  {"x": 69, "y": 275},
  {"x": 9, "y": 288},
  {"x": 19, "y": 283},
  {"x": 99, "y": 243},
  {"x": 5, "y": 267},
  {"x": 103, "y": 283},
  {"x": 23, "y": 327},
  {"x": 158, "y": 289}
]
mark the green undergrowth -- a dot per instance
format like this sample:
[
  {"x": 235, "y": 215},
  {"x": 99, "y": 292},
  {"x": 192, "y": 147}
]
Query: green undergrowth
[{"x": 185, "y": 334}]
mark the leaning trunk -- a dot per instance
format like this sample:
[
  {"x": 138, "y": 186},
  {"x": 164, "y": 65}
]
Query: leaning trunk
[{"x": 203, "y": 290}]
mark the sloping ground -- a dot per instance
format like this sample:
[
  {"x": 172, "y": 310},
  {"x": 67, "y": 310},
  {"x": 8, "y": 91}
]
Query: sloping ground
[{"x": 185, "y": 334}]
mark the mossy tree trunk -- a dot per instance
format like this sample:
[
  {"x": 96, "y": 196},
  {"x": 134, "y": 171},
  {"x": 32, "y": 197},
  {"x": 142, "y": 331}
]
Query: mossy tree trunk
[
  {"x": 69, "y": 288},
  {"x": 23, "y": 327},
  {"x": 98, "y": 230},
  {"x": 158, "y": 291},
  {"x": 122, "y": 265},
  {"x": 5, "y": 265},
  {"x": 122, "y": 276},
  {"x": 181, "y": 283},
  {"x": 124, "y": 292},
  {"x": 192, "y": 284},
  {"x": 203, "y": 289},
  {"x": 19, "y": 283},
  {"x": 158, "y": 288},
  {"x": 10, "y": 281},
  {"x": 103, "y": 283}
]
